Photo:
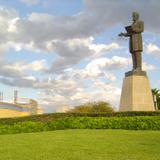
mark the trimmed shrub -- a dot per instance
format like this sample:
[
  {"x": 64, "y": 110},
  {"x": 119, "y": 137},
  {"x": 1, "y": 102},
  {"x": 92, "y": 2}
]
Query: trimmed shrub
[
  {"x": 54, "y": 116},
  {"x": 128, "y": 123}
]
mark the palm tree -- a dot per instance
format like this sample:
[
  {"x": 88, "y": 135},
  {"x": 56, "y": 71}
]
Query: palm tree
[{"x": 156, "y": 97}]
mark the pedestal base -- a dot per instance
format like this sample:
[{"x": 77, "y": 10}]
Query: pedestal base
[{"x": 136, "y": 93}]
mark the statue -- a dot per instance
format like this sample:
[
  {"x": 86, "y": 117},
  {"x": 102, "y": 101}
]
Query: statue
[
  {"x": 136, "y": 91},
  {"x": 135, "y": 44}
]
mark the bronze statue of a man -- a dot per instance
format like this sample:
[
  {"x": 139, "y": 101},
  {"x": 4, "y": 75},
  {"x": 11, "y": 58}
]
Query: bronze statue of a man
[{"x": 135, "y": 44}]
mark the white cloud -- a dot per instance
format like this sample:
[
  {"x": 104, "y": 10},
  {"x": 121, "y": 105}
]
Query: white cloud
[
  {"x": 97, "y": 49},
  {"x": 109, "y": 13},
  {"x": 62, "y": 109},
  {"x": 12, "y": 24},
  {"x": 95, "y": 67},
  {"x": 6, "y": 16},
  {"x": 98, "y": 91},
  {"x": 74, "y": 90},
  {"x": 38, "y": 30},
  {"x": 20, "y": 73},
  {"x": 148, "y": 67},
  {"x": 32, "y": 78},
  {"x": 74, "y": 50},
  {"x": 24, "y": 82},
  {"x": 37, "y": 65},
  {"x": 20, "y": 68},
  {"x": 42, "y": 30},
  {"x": 153, "y": 49},
  {"x": 72, "y": 86},
  {"x": 101, "y": 49}
]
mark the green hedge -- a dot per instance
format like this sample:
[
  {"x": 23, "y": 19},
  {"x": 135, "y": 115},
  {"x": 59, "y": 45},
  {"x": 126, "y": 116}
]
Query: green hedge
[
  {"x": 54, "y": 116},
  {"x": 129, "y": 123}
]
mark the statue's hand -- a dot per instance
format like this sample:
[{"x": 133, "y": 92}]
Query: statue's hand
[{"x": 121, "y": 34}]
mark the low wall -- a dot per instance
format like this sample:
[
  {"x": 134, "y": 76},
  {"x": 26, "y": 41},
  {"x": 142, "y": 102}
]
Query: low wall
[
  {"x": 6, "y": 113},
  {"x": 18, "y": 109}
]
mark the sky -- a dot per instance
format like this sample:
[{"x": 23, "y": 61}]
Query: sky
[{"x": 64, "y": 53}]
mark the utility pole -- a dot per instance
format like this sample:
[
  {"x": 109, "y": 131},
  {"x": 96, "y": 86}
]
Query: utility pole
[
  {"x": 15, "y": 96},
  {"x": 1, "y": 96}
]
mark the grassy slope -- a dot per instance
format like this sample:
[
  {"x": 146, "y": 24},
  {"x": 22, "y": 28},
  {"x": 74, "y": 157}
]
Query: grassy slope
[{"x": 81, "y": 145}]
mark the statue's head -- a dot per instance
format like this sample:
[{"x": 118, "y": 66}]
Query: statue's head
[{"x": 135, "y": 16}]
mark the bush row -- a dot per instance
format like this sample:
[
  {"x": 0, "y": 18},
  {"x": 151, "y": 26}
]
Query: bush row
[
  {"x": 54, "y": 116},
  {"x": 129, "y": 123}
]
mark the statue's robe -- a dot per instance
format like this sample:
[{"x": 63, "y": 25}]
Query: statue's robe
[{"x": 134, "y": 32}]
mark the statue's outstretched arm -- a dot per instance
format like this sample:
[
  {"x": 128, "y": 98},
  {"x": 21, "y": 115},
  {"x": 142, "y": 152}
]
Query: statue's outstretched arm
[{"x": 124, "y": 35}]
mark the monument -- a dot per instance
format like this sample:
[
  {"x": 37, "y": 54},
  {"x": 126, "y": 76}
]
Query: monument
[{"x": 136, "y": 92}]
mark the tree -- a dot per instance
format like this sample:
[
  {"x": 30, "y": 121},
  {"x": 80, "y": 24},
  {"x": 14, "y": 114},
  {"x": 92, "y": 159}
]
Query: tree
[
  {"x": 156, "y": 94},
  {"x": 94, "y": 107}
]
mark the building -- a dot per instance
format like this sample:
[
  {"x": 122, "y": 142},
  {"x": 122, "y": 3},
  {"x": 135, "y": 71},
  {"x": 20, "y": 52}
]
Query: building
[{"x": 19, "y": 109}]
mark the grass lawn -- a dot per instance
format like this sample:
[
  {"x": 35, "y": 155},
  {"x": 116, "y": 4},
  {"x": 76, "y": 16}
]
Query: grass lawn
[{"x": 81, "y": 145}]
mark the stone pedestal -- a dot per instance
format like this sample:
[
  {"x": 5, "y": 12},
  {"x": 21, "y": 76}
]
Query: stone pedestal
[{"x": 136, "y": 93}]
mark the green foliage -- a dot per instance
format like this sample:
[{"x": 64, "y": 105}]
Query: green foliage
[
  {"x": 23, "y": 127},
  {"x": 55, "y": 116},
  {"x": 156, "y": 93},
  {"x": 95, "y": 107},
  {"x": 129, "y": 123}
]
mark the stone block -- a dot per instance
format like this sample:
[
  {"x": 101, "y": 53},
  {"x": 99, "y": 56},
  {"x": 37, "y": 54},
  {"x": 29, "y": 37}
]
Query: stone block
[{"x": 136, "y": 94}]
